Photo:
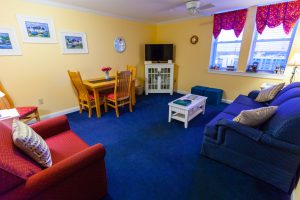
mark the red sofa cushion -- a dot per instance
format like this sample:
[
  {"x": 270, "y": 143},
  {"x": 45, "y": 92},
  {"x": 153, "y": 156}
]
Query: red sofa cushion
[
  {"x": 15, "y": 167},
  {"x": 64, "y": 145},
  {"x": 24, "y": 111},
  {"x": 111, "y": 96}
]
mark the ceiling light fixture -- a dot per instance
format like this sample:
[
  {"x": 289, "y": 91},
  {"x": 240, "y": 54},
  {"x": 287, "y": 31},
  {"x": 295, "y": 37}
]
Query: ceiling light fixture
[{"x": 193, "y": 7}]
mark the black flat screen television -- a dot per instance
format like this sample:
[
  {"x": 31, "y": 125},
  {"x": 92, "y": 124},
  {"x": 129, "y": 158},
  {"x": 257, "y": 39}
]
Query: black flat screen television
[{"x": 158, "y": 52}]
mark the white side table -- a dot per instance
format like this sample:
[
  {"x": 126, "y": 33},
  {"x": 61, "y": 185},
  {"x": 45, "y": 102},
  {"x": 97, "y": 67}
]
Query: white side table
[
  {"x": 8, "y": 115},
  {"x": 266, "y": 85}
]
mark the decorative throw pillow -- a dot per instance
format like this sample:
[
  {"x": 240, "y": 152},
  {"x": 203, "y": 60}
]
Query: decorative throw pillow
[
  {"x": 255, "y": 117},
  {"x": 31, "y": 143},
  {"x": 269, "y": 93}
]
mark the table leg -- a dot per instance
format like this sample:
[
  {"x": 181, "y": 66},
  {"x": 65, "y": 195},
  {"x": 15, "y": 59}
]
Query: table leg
[
  {"x": 186, "y": 114},
  {"x": 204, "y": 108},
  {"x": 170, "y": 114},
  {"x": 97, "y": 102}
]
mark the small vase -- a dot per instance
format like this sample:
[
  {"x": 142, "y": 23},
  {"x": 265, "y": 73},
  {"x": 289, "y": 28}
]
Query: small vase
[{"x": 107, "y": 75}]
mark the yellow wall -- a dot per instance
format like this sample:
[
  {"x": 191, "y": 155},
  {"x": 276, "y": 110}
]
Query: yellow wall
[
  {"x": 41, "y": 72},
  {"x": 192, "y": 61}
]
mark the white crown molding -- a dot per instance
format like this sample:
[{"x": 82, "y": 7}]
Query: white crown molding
[
  {"x": 179, "y": 20},
  {"x": 77, "y": 8}
]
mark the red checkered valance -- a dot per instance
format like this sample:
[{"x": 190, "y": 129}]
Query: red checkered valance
[
  {"x": 286, "y": 13},
  {"x": 230, "y": 20}
]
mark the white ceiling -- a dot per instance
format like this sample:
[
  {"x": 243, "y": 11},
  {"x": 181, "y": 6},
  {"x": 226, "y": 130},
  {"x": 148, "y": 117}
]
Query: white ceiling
[{"x": 153, "y": 11}]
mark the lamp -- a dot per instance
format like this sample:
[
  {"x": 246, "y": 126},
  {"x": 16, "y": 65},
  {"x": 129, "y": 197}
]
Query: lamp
[
  {"x": 294, "y": 62},
  {"x": 193, "y": 7}
]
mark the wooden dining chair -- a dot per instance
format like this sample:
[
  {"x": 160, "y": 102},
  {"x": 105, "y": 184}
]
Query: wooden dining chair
[
  {"x": 121, "y": 95},
  {"x": 26, "y": 113},
  {"x": 133, "y": 75},
  {"x": 85, "y": 99}
]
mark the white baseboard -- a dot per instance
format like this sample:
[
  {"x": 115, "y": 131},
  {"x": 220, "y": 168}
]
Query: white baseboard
[
  {"x": 56, "y": 114},
  {"x": 187, "y": 92},
  {"x": 59, "y": 113}
]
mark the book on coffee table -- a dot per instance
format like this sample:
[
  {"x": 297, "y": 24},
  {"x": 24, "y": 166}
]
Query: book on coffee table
[{"x": 183, "y": 102}]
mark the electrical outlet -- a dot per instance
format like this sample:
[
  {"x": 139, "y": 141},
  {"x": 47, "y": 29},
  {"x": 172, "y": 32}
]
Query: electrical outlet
[{"x": 40, "y": 101}]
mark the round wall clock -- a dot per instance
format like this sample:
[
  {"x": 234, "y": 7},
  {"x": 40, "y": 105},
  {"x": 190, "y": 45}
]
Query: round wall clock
[
  {"x": 194, "y": 39},
  {"x": 119, "y": 44}
]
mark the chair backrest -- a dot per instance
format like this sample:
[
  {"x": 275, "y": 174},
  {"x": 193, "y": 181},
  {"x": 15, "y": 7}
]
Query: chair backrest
[
  {"x": 5, "y": 102},
  {"x": 123, "y": 84},
  {"x": 133, "y": 71},
  {"x": 81, "y": 90}
]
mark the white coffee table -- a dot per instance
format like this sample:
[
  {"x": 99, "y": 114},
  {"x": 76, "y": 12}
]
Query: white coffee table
[{"x": 187, "y": 113}]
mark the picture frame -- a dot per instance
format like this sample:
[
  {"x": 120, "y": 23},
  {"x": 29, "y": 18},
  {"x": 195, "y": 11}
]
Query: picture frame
[
  {"x": 37, "y": 29},
  {"x": 74, "y": 43},
  {"x": 9, "y": 45}
]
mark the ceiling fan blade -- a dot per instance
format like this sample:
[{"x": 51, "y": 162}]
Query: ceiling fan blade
[{"x": 206, "y": 6}]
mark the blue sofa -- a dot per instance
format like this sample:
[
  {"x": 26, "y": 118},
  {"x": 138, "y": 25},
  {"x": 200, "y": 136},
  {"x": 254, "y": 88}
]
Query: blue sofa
[{"x": 270, "y": 152}]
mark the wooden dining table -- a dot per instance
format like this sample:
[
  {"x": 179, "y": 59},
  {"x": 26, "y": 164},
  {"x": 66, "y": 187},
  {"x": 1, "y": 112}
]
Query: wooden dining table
[{"x": 101, "y": 84}]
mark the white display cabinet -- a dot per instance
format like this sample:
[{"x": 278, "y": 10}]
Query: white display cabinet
[{"x": 159, "y": 78}]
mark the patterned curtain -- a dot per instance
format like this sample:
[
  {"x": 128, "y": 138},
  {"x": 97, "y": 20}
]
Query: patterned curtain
[
  {"x": 286, "y": 13},
  {"x": 230, "y": 20}
]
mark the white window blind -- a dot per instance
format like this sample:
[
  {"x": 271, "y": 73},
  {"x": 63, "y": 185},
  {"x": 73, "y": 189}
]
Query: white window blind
[
  {"x": 226, "y": 51},
  {"x": 270, "y": 50}
]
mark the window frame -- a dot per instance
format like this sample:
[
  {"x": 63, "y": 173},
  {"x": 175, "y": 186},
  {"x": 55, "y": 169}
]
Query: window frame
[
  {"x": 214, "y": 51},
  {"x": 253, "y": 46}
]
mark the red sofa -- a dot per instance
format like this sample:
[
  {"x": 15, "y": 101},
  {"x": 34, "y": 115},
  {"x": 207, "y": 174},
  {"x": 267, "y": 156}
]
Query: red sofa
[{"x": 78, "y": 170}]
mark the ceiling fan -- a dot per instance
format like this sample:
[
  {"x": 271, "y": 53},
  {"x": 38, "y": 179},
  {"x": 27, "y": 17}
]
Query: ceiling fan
[{"x": 196, "y": 6}]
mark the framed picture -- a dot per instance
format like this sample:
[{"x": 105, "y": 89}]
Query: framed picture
[
  {"x": 37, "y": 29},
  {"x": 73, "y": 42},
  {"x": 8, "y": 42}
]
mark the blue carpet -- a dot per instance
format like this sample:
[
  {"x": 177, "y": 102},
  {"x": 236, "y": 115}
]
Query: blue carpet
[{"x": 150, "y": 159}]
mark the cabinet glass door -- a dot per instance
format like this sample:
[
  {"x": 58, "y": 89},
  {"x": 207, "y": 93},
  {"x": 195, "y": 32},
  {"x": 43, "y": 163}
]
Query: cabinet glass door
[
  {"x": 152, "y": 78},
  {"x": 165, "y": 75}
]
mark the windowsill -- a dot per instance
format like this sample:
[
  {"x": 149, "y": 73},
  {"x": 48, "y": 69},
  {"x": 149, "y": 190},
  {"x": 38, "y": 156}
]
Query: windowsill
[{"x": 249, "y": 74}]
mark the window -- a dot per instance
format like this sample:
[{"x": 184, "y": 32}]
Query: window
[
  {"x": 226, "y": 51},
  {"x": 270, "y": 50}
]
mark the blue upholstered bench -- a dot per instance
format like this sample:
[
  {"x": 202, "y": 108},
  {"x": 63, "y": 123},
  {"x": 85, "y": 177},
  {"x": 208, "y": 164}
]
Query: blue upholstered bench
[{"x": 214, "y": 95}]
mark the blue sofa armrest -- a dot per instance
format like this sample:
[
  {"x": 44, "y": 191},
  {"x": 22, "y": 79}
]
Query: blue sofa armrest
[
  {"x": 253, "y": 94},
  {"x": 279, "y": 144},
  {"x": 247, "y": 131}
]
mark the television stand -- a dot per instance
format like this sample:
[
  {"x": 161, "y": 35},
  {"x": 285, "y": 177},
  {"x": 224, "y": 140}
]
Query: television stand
[{"x": 159, "y": 78}]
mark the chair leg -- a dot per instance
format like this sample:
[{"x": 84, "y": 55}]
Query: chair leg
[
  {"x": 80, "y": 108},
  {"x": 130, "y": 105},
  {"x": 37, "y": 116},
  {"x": 117, "y": 109},
  {"x": 133, "y": 99},
  {"x": 105, "y": 104},
  {"x": 90, "y": 110}
]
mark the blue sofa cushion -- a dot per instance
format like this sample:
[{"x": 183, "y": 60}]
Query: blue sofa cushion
[
  {"x": 236, "y": 108},
  {"x": 288, "y": 94},
  {"x": 245, "y": 100},
  {"x": 220, "y": 116},
  {"x": 288, "y": 87},
  {"x": 285, "y": 124}
]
